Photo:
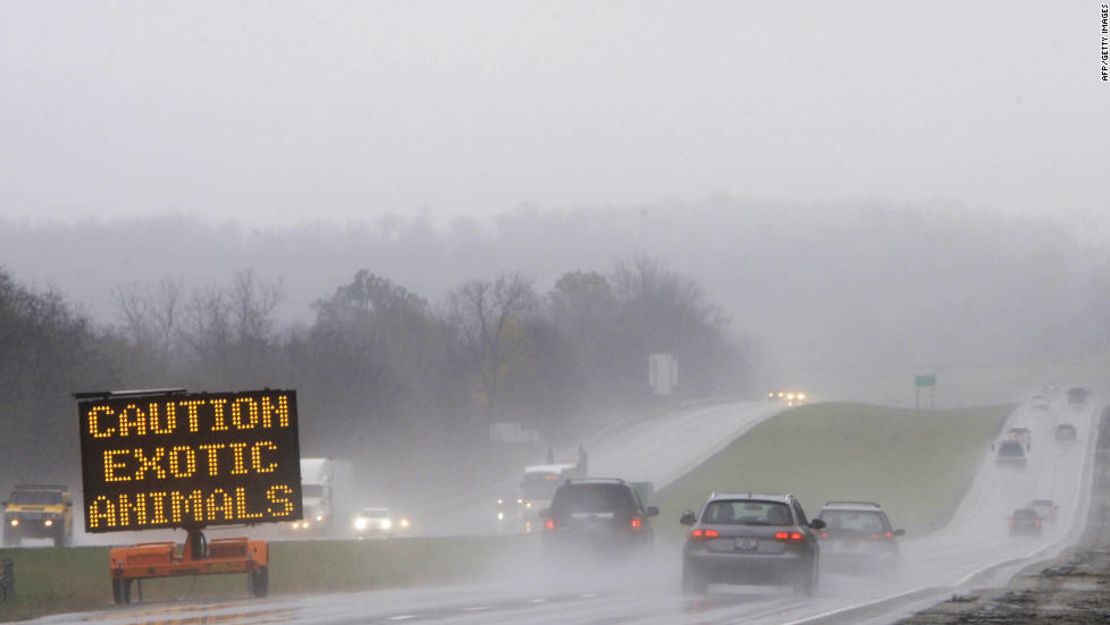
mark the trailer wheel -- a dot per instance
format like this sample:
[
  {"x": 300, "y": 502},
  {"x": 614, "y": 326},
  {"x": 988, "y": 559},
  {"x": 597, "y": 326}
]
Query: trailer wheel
[
  {"x": 260, "y": 581},
  {"x": 121, "y": 590}
]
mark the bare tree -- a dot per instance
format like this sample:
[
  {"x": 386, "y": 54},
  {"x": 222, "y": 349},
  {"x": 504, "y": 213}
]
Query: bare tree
[
  {"x": 487, "y": 316},
  {"x": 251, "y": 304},
  {"x": 150, "y": 317}
]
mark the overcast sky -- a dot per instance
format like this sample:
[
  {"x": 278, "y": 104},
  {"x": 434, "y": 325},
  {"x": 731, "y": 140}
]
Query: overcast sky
[{"x": 279, "y": 112}]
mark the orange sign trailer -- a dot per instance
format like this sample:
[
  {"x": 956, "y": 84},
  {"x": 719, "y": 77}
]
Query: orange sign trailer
[{"x": 198, "y": 556}]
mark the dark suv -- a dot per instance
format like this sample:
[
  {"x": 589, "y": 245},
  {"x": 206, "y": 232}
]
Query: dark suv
[
  {"x": 598, "y": 515},
  {"x": 858, "y": 537},
  {"x": 750, "y": 539}
]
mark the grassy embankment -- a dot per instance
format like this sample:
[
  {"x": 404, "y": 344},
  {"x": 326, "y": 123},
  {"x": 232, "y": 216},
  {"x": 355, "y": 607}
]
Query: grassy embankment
[
  {"x": 916, "y": 464},
  {"x": 65, "y": 580}
]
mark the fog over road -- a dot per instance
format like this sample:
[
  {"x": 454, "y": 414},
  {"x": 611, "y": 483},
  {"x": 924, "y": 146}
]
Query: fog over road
[
  {"x": 659, "y": 449},
  {"x": 974, "y": 548}
]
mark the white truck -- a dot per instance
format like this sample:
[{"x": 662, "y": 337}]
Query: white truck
[{"x": 324, "y": 496}]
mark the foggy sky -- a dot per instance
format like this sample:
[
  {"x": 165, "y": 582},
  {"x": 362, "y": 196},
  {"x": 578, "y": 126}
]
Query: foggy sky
[{"x": 284, "y": 112}]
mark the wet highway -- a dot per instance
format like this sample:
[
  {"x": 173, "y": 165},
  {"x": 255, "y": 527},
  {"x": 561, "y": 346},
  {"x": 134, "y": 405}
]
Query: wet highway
[{"x": 974, "y": 548}]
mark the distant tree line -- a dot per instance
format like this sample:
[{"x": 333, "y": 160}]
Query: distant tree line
[{"x": 379, "y": 367}]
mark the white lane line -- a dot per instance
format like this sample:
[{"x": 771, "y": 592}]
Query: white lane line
[
  {"x": 587, "y": 595},
  {"x": 402, "y": 617},
  {"x": 997, "y": 565},
  {"x": 858, "y": 606},
  {"x": 476, "y": 608},
  {"x": 538, "y": 600}
]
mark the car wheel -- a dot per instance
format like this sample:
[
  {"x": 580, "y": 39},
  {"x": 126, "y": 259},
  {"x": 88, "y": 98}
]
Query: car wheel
[
  {"x": 121, "y": 590},
  {"x": 890, "y": 569},
  {"x": 693, "y": 582},
  {"x": 260, "y": 581},
  {"x": 806, "y": 585}
]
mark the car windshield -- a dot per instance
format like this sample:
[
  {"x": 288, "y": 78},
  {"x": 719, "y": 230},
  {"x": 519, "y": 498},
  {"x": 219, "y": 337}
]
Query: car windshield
[
  {"x": 592, "y": 499},
  {"x": 854, "y": 521},
  {"x": 1025, "y": 513},
  {"x": 1010, "y": 449},
  {"x": 746, "y": 512},
  {"x": 36, "y": 497},
  {"x": 1042, "y": 503},
  {"x": 375, "y": 513}
]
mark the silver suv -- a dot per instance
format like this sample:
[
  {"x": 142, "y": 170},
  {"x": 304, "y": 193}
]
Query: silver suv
[
  {"x": 751, "y": 539},
  {"x": 859, "y": 538}
]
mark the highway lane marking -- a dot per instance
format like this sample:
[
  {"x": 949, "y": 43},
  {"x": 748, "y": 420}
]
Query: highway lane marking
[
  {"x": 402, "y": 617},
  {"x": 858, "y": 606},
  {"x": 539, "y": 600},
  {"x": 476, "y": 608},
  {"x": 998, "y": 565},
  {"x": 588, "y": 595}
]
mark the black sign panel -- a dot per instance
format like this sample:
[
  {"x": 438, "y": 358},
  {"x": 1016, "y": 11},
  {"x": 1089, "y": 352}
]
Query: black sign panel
[{"x": 175, "y": 460}]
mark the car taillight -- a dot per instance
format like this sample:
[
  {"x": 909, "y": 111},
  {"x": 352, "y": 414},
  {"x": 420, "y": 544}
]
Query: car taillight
[
  {"x": 1037, "y": 523},
  {"x": 887, "y": 535},
  {"x": 549, "y": 525},
  {"x": 791, "y": 537},
  {"x": 703, "y": 534},
  {"x": 823, "y": 534},
  {"x": 637, "y": 523}
]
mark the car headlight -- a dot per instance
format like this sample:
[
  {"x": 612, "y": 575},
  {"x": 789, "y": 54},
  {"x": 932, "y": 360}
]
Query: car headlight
[
  {"x": 801, "y": 396},
  {"x": 361, "y": 523},
  {"x": 386, "y": 524},
  {"x": 500, "y": 516},
  {"x": 319, "y": 518},
  {"x": 48, "y": 522},
  {"x": 15, "y": 522},
  {"x": 499, "y": 502},
  {"x": 404, "y": 523},
  {"x": 528, "y": 505}
]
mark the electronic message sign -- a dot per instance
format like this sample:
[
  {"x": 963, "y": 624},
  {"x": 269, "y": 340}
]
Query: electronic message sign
[{"x": 171, "y": 459}]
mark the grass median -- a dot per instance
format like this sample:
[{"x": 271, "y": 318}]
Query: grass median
[
  {"x": 916, "y": 464},
  {"x": 76, "y": 579}
]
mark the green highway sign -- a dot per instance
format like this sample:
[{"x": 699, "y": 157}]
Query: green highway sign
[{"x": 925, "y": 380}]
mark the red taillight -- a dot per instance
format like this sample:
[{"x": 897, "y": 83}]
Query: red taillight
[
  {"x": 887, "y": 535},
  {"x": 637, "y": 523},
  {"x": 702, "y": 534},
  {"x": 823, "y": 534},
  {"x": 1037, "y": 523},
  {"x": 792, "y": 537},
  {"x": 549, "y": 525}
]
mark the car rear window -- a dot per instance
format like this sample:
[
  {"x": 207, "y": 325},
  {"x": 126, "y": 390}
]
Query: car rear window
[
  {"x": 1025, "y": 513},
  {"x": 593, "y": 499},
  {"x": 746, "y": 512},
  {"x": 1010, "y": 449},
  {"x": 855, "y": 521}
]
